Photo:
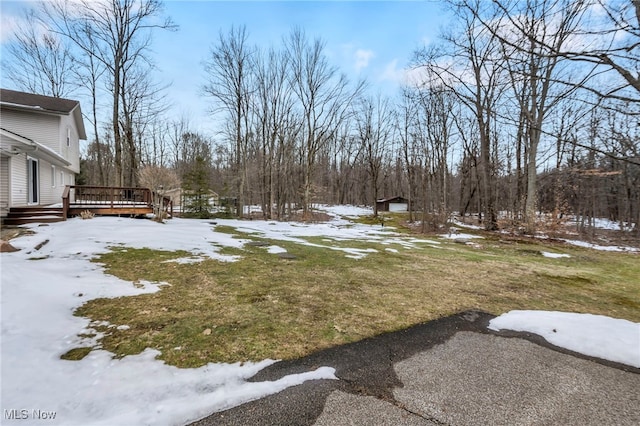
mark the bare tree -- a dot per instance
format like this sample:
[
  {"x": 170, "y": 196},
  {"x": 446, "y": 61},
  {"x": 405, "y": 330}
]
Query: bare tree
[
  {"x": 97, "y": 163},
  {"x": 275, "y": 118},
  {"x": 470, "y": 66},
  {"x": 406, "y": 121},
  {"x": 534, "y": 71},
  {"x": 609, "y": 33},
  {"x": 324, "y": 98},
  {"x": 159, "y": 180},
  {"x": 39, "y": 61},
  {"x": 142, "y": 104},
  {"x": 230, "y": 69},
  {"x": 436, "y": 116},
  {"x": 374, "y": 129},
  {"x": 89, "y": 73},
  {"x": 117, "y": 33}
]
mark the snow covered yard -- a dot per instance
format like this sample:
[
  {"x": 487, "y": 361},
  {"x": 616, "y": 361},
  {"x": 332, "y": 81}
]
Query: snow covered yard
[
  {"x": 41, "y": 289},
  {"x": 348, "y": 281}
]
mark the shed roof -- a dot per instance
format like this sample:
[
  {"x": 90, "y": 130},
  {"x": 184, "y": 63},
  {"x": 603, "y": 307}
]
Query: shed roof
[{"x": 392, "y": 199}]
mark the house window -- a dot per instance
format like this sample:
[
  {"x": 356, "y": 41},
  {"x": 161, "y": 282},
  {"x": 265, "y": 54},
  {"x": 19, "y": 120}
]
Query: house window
[
  {"x": 61, "y": 178},
  {"x": 53, "y": 176},
  {"x": 68, "y": 136}
]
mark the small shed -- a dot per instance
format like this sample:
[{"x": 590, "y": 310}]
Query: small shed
[{"x": 393, "y": 204}]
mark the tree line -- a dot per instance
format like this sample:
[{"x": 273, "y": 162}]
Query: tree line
[{"x": 520, "y": 108}]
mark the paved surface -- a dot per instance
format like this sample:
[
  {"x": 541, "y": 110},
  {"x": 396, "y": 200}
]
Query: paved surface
[{"x": 452, "y": 371}]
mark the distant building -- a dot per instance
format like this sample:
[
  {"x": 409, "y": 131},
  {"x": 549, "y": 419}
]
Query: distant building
[
  {"x": 179, "y": 195},
  {"x": 393, "y": 204},
  {"x": 39, "y": 148}
]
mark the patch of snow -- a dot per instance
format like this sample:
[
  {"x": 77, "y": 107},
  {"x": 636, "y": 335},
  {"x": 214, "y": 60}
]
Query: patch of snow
[
  {"x": 460, "y": 236},
  {"x": 599, "y": 336},
  {"x": 346, "y": 211},
  {"x": 276, "y": 249},
  {"x": 602, "y": 223},
  {"x": 602, "y": 248},
  {"x": 296, "y": 232},
  {"x": 417, "y": 240},
  {"x": 554, "y": 255},
  {"x": 465, "y": 225},
  {"x": 390, "y": 250},
  {"x": 190, "y": 260},
  {"x": 352, "y": 253}
]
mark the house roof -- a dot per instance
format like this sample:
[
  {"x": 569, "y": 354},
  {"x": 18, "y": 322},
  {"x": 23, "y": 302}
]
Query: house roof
[
  {"x": 46, "y": 104},
  {"x": 37, "y": 101}
]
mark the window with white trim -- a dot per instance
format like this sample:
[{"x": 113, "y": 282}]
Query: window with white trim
[
  {"x": 68, "y": 136},
  {"x": 53, "y": 176}
]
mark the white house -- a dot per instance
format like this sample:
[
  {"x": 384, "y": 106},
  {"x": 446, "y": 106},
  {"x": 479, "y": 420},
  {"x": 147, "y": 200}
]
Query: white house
[{"x": 39, "y": 148}]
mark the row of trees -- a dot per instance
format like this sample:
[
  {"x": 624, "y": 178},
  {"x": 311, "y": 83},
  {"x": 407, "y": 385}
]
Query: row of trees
[
  {"x": 521, "y": 107},
  {"x": 101, "y": 50}
]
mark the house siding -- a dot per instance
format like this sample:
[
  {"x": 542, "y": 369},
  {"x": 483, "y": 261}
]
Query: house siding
[
  {"x": 70, "y": 153},
  {"x": 18, "y": 167},
  {"x": 48, "y": 193},
  {"x": 4, "y": 185},
  {"x": 41, "y": 128}
]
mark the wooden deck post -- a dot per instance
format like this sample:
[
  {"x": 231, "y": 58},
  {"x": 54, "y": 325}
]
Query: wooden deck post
[{"x": 65, "y": 202}]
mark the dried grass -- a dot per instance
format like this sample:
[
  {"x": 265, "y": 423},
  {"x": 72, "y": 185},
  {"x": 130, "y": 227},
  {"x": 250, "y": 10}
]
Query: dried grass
[{"x": 267, "y": 307}]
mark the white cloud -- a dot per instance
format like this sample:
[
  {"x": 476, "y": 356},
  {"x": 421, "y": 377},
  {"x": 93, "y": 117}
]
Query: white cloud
[
  {"x": 363, "y": 57},
  {"x": 391, "y": 72},
  {"x": 9, "y": 24},
  {"x": 403, "y": 76}
]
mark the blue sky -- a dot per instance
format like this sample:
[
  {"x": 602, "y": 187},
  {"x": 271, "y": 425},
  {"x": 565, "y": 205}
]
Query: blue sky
[{"x": 365, "y": 39}]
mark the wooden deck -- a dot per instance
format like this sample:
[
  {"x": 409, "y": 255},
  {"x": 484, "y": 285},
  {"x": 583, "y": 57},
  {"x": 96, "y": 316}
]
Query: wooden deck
[
  {"x": 100, "y": 200},
  {"x": 110, "y": 201}
]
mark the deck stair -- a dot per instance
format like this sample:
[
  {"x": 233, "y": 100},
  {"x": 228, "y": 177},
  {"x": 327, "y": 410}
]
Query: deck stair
[{"x": 35, "y": 214}]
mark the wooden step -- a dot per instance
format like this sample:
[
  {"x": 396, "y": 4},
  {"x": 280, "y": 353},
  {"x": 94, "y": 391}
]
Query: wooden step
[
  {"x": 33, "y": 209},
  {"x": 33, "y": 214},
  {"x": 24, "y": 220}
]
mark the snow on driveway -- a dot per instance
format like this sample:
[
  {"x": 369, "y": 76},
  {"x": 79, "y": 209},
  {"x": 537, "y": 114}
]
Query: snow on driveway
[{"x": 594, "y": 335}]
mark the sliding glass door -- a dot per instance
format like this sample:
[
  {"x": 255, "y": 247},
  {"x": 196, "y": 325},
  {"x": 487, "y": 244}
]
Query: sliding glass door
[{"x": 33, "y": 181}]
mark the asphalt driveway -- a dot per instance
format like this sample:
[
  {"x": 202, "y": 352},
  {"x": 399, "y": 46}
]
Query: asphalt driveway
[{"x": 452, "y": 371}]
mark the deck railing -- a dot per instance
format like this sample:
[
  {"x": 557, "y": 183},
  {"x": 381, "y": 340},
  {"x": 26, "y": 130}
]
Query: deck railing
[{"x": 112, "y": 197}]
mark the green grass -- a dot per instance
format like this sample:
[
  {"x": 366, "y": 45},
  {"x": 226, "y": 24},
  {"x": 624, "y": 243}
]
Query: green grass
[
  {"x": 397, "y": 220},
  {"x": 76, "y": 354},
  {"x": 267, "y": 307}
]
